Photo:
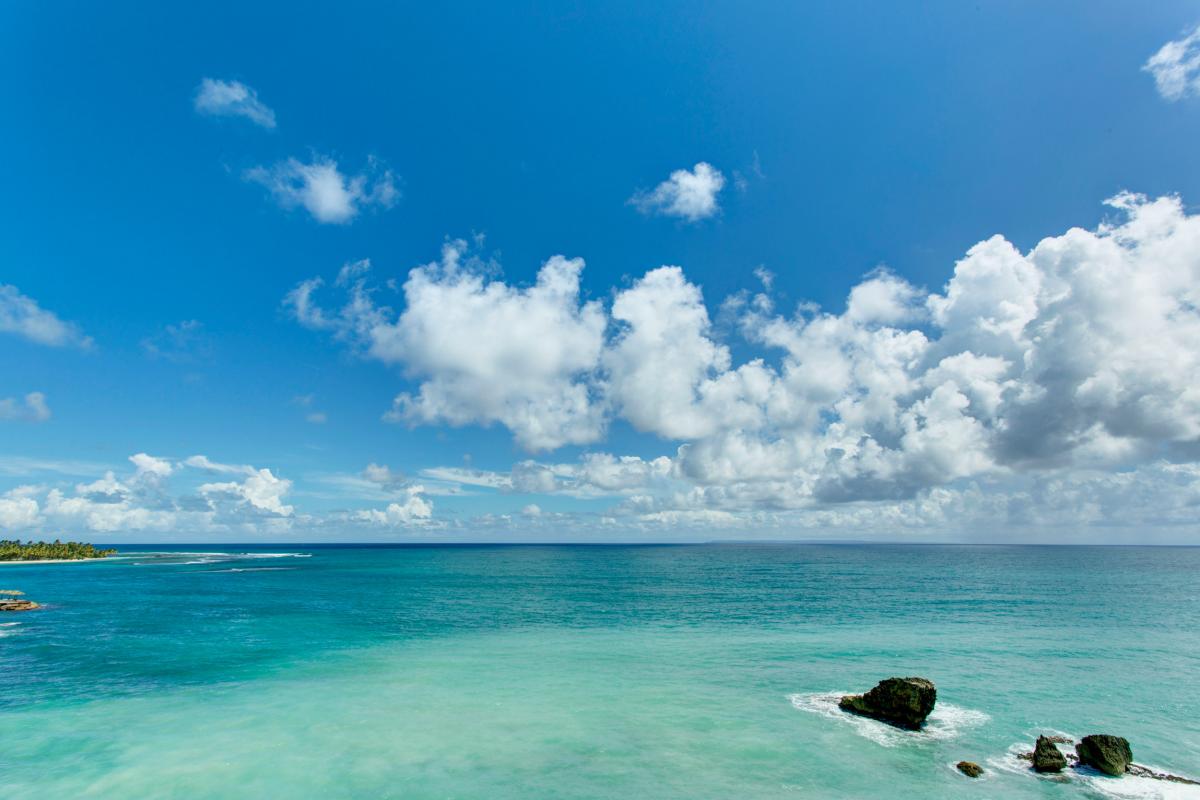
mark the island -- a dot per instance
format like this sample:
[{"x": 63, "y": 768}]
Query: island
[{"x": 16, "y": 550}]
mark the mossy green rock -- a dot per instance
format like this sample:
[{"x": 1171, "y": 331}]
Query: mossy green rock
[
  {"x": 969, "y": 768},
  {"x": 1047, "y": 757},
  {"x": 903, "y": 702},
  {"x": 1109, "y": 754}
]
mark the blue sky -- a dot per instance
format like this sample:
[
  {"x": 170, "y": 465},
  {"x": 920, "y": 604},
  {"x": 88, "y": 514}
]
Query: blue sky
[{"x": 161, "y": 222}]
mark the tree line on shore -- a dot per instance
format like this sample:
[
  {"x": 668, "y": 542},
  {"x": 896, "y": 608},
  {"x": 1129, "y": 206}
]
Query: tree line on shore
[{"x": 16, "y": 550}]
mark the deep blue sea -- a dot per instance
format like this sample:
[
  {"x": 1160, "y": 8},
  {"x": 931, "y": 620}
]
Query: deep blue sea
[{"x": 707, "y": 671}]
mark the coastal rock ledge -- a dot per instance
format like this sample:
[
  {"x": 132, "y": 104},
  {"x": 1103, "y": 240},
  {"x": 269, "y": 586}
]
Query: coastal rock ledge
[
  {"x": 1109, "y": 754},
  {"x": 903, "y": 702}
]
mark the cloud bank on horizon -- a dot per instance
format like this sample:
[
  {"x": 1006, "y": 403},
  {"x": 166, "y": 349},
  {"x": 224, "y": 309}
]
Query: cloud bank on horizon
[
  {"x": 1078, "y": 357},
  {"x": 1050, "y": 387},
  {"x": 1046, "y": 391}
]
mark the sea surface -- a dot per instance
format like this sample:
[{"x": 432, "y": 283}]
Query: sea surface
[{"x": 591, "y": 671}]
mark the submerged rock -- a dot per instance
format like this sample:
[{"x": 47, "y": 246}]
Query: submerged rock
[
  {"x": 969, "y": 768},
  {"x": 903, "y": 702},
  {"x": 1047, "y": 757},
  {"x": 1146, "y": 772},
  {"x": 1109, "y": 754}
]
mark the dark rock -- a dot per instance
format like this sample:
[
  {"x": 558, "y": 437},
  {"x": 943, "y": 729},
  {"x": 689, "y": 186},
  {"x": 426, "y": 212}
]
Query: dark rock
[
  {"x": 1146, "y": 772},
  {"x": 969, "y": 768},
  {"x": 1047, "y": 757},
  {"x": 1109, "y": 754},
  {"x": 903, "y": 702}
]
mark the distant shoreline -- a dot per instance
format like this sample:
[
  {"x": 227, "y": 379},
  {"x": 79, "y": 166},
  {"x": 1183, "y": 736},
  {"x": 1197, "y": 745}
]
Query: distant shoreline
[{"x": 52, "y": 561}]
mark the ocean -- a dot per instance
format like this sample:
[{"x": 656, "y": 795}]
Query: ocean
[{"x": 707, "y": 671}]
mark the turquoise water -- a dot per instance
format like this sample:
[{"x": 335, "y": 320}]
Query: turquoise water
[{"x": 591, "y": 672}]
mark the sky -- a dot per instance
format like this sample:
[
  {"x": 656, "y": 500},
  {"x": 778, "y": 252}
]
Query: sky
[{"x": 600, "y": 272}]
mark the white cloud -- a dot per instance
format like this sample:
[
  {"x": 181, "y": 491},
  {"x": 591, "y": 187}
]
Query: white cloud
[
  {"x": 19, "y": 509},
  {"x": 414, "y": 510},
  {"x": 232, "y": 99},
  {"x": 142, "y": 500},
  {"x": 329, "y": 195},
  {"x": 484, "y": 351},
  {"x": 148, "y": 465},
  {"x": 160, "y": 499},
  {"x": 689, "y": 195},
  {"x": 205, "y": 463},
  {"x": 260, "y": 490},
  {"x": 384, "y": 476},
  {"x": 665, "y": 372},
  {"x": 469, "y": 477},
  {"x": 32, "y": 409},
  {"x": 1078, "y": 355},
  {"x": 1176, "y": 67},
  {"x": 22, "y": 316}
]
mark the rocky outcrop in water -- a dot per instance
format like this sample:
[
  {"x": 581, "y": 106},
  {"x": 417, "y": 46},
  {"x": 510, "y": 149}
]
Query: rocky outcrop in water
[
  {"x": 903, "y": 702},
  {"x": 1146, "y": 772},
  {"x": 969, "y": 768},
  {"x": 14, "y": 600},
  {"x": 1109, "y": 754},
  {"x": 1047, "y": 757}
]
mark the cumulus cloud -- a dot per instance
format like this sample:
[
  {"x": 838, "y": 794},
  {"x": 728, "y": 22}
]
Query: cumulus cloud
[
  {"x": 483, "y": 351},
  {"x": 260, "y": 490},
  {"x": 161, "y": 498},
  {"x": 148, "y": 465},
  {"x": 143, "y": 500},
  {"x": 1079, "y": 354},
  {"x": 19, "y": 508},
  {"x": 324, "y": 191},
  {"x": 32, "y": 409},
  {"x": 232, "y": 99},
  {"x": 414, "y": 509},
  {"x": 665, "y": 373},
  {"x": 1176, "y": 67},
  {"x": 22, "y": 316},
  {"x": 688, "y": 195}
]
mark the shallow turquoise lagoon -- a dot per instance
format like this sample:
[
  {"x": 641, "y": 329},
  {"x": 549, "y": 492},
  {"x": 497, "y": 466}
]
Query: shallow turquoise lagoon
[{"x": 591, "y": 672}]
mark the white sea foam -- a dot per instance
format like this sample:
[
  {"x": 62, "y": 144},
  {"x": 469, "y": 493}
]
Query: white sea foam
[
  {"x": 170, "y": 558},
  {"x": 1126, "y": 787},
  {"x": 250, "y": 569},
  {"x": 946, "y": 722}
]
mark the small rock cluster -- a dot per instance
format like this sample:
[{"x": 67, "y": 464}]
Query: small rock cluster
[{"x": 907, "y": 702}]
